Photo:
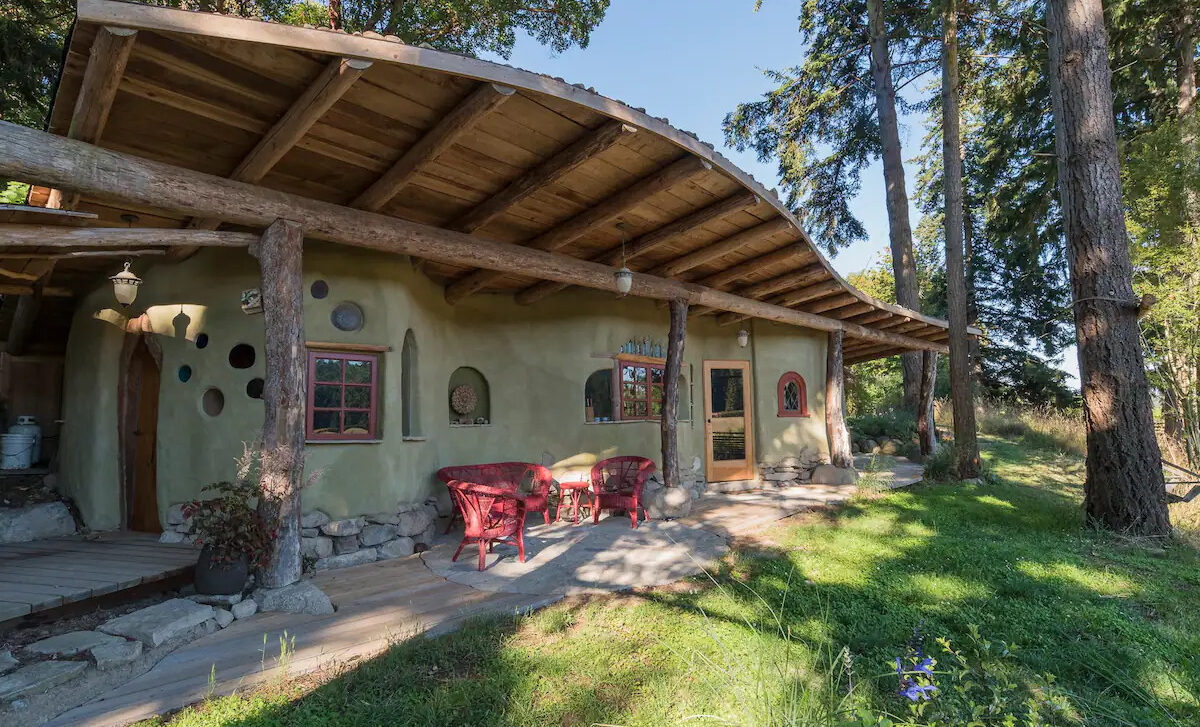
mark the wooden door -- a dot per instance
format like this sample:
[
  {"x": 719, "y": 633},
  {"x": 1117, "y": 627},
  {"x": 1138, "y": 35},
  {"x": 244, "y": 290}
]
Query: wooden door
[
  {"x": 141, "y": 442},
  {"x": 728, "y": 421}
]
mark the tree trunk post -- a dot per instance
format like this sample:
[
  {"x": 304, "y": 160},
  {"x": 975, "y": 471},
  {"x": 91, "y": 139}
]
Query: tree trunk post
[
  {"x": 672, "y": 370},
  {"x": 904, "y": 264},
  {"x": 961, "y": 394},
  {"x": 282, "y": 465},
  {"x": 835, "y": 403},
  {"x": 926, "y": 429},
  {"x": 1124, "y": 490}
]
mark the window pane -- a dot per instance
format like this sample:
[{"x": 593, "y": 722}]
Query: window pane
[
  {"x": 656, "y": 408},
  {"x": 325, "y": 422},
  {"x": 639, "y": 373},
  {"x": 656, "y": 393},
  {"x": 358, "y": 372},
  {"x": 791, "y": 396},
  {"x": 329, "y": 369},
  {"x": 627, "y": 373},
  {"x": 327, "y": 395},
  {"x": 356, "y": 422},
  {"x": 656, "y": 376},
  {"x": 640, "y": 409},
  {"x": 629, "y": 411},
  {"x": 358, "y": 397}
]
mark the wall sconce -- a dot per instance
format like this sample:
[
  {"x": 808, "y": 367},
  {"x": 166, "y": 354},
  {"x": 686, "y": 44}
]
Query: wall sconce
[
  {"x": 125, "y": 286},
  {"x": 743, "y": 338}
]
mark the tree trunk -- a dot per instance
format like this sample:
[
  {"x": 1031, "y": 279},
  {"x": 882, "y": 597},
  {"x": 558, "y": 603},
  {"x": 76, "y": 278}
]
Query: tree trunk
[
  {"x": 835, "y": 403},
  {"x": 961, "y": 391},
  {"x": 671, "y": 372},
  {"x": 904, "y": 264},
  {"x": 926, "y": 429},
  {"x": 1124, "y": 490},
  {"x": 282, "y": 455},
  {"x": 335, "y": 14}
]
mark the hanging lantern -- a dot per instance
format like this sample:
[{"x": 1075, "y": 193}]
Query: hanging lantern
[
  {"x": 624, "y": 280},
  {"x": 743, "y": 337},
  {"x": 125, "y": 286}
]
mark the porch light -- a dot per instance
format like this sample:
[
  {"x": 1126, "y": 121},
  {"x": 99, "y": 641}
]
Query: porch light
[
  {"x": 125, "y": 286},
  {"x": 624, "y": 280},
  {"x": 743, "y": 338}
]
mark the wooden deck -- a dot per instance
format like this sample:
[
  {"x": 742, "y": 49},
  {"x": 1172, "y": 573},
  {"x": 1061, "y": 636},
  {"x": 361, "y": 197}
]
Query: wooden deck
[{"x": 47, "y": 574}]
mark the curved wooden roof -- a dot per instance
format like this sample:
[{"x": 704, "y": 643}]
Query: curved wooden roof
[{"x": 454, "y": 142}]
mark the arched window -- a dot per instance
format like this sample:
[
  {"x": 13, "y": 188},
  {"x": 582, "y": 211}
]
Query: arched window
[
  {"x": 793, "y": 395},
  {"x": 597, "y": 394},
  {"x": 469, "y": 398},
  {"x": 409, "y": 386},
  {"x": 684, "y": 411}
]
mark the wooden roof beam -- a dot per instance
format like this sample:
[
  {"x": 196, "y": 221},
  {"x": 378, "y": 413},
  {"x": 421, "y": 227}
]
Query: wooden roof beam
[
  {"x": 652, "y": 240},
  {"x": 795, "y": 278},
  {"x": 591, "y": 144},
  {"x": 878, "y": 315},
  {"x": 848, "y": 311},
  {"x": 486, "y": 98},
  {"x": 721, "y": 248},
  {"x": 329, "y": 86},
  {"x": 588, "y": 220},
  {"x": 83, "y": 237},
  {"x": 830, "y": 303},
  {"x": 47, "y": 159},
  {"x": 792, "y": 252},
  {"x": 795, "y": 297},
  {"x": 105, "y": 68}
]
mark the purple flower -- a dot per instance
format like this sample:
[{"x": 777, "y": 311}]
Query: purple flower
[{"x": 916, "y": 692}]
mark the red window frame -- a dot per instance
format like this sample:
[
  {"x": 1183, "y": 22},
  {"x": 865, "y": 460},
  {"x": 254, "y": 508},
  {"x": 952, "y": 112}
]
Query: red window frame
[
  {"x": 789, "y": 378},
  {"x": 629, "y": 390},
  {"x": 371, "y": 409}
]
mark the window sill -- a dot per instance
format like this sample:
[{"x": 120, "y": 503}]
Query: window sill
[
  {"x": 469, "y": 426},
  {"x": 343, "y": 441},
  {"x": 637, "y": 421},
  {"x": 793, "y": 415},
  {"x": 414, "y": 439}
]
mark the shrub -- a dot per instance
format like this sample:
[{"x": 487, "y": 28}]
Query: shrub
[
  {"x": 894, "y": 424},
  {"x": 941, "y": 466}
]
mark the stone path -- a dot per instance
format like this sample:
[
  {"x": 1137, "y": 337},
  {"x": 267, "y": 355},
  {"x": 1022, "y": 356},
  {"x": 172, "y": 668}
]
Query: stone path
[{"x": 386, "y": 601}]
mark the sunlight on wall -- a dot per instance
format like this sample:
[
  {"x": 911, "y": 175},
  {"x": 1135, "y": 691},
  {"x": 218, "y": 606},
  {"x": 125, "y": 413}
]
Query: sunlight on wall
[{"x": 175, "y": 320}]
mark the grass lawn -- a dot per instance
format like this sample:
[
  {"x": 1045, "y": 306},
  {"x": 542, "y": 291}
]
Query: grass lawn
[{"x": 1115, "y": 623}]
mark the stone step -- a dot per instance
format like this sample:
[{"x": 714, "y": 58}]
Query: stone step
[{"x": 37, "y": 678}]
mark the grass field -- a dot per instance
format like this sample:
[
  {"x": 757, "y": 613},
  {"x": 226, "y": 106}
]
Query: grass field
[{"x": 761, "y": 642}]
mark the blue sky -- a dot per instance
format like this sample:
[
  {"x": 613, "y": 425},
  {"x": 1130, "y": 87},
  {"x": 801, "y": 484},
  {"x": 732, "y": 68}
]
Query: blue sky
[{"x": 693, "y": 61}]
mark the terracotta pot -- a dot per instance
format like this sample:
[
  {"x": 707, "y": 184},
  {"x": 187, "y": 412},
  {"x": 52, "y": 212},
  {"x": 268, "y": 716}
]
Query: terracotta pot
[{"x": 219, "y": 579}]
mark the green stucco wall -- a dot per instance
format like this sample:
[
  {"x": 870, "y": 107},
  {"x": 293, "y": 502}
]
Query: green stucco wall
[{"x": 535, "y": 359}]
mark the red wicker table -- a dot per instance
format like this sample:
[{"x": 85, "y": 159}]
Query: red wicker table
[{"x": 574, "y": 491}]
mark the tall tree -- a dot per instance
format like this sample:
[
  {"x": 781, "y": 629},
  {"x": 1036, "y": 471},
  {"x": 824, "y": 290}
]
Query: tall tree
[
  {"x": 961, "y": 389},
  {"x": 32, "y": 34},
  {"x": 1124, "y": 490},
  {"x": 833, "y": 115}
]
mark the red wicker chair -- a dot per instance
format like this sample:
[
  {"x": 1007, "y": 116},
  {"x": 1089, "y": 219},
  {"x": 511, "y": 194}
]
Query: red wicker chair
[
  {"x": 617, "y": 485},
  {"x": 491, "y": 514},
  {"x": 507, "y": 475}
]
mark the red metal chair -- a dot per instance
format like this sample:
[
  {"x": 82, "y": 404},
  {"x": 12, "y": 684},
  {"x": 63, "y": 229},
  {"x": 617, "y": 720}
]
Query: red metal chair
[
  {"x": 506, "y": 475},
  {"x": 617, "y": 485},
  {"x": 490, "y": 514}
]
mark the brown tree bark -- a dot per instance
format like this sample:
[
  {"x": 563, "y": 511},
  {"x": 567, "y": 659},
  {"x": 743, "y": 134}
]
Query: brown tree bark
[
  {"x": 671, "y": 372},
  {"x": 904, "y": 264},
  {"x": 926, "y": 429},
  {"x": 1124, "y": 490},
  {"x": 961, "y": 390},
  {"x": 835, "y": 402},
  {"x": 335, "y": 14},
  {"x": 282, "y": 454}
]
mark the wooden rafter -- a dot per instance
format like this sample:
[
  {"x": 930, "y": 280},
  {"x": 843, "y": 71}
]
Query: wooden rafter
[
  {"x": 790, "y": 253},
  {"x": 328, "y": 87},
  {"x": 591, "y": 144},
  {"x": 67, "y": 237},
  {"x": 791, "y": 298},
  {"x": 76, "y": 254},
  {"x": 652, "y": 240},
  {"x": 830, "y": 303},
  {"x": 105, "y": 67},
  {"x": 792, "y": 279},
  {"x": 588, "y": 220},
  {"x": 853, "y": 309},
  {"x": 875, "y": 317},
  {"x": 718, "y": 249},
  {"x": 43, "y": 158},
  {"x": 462, "y": 118}
]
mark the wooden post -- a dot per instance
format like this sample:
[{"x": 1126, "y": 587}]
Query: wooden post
[
  {"x": 27, "y": 307},
  {"x": 926, "y": 430},
  {"x": 671, "y": 372},
  {"x": 835, "y": 403},
  {"x": 282, "y": 466}
]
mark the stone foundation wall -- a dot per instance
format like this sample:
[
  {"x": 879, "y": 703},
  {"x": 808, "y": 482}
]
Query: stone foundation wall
[{"x": 791, "y": 470}]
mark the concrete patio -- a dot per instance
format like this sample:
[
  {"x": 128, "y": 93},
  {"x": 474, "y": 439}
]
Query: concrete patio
[{"x": 380, "y": 603}]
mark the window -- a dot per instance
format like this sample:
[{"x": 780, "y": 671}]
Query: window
[
  {"x": 641, "y": 390},
  {"x": 597, "y": 395},
  {"x": 408, "y": 385},
  {"x": 793, "y": 395},
  {"x": 342, "y": 395}
]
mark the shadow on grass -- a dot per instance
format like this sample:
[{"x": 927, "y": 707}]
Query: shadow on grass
[{"x": 1117, "y": 625}]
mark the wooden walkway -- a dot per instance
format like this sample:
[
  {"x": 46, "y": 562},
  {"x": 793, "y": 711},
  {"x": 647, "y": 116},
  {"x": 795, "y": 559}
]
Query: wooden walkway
[{"x": 47, "y": 574}]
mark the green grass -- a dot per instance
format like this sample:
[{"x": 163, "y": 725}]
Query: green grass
[{"x": 759, "y": 643}]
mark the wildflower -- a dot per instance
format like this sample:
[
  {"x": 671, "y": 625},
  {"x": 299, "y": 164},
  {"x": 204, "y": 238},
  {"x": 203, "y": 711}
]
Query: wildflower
[{"x": 915, "y": 692}]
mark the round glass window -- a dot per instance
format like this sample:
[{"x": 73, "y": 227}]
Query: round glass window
[{"x": 347, "y": 316}]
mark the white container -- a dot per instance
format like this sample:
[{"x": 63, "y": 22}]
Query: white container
[
  {"x": 28, "y": 425},
  {"x": 16, "y": 451}
]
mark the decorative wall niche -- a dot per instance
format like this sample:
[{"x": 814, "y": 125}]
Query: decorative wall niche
[
  {"x": 469, "y": 398},
  {"x": 241, "y": 356},
  {"x": 213, "y": 402},
  {"x": 409, "y": 386},
  {"x": 254, "y": 388},
  {"x": 319, "y": 289},
  {"x": 202, "y": 340},
  {"x": 598, "y": 396},
  {"x": 185, "y": 373}
]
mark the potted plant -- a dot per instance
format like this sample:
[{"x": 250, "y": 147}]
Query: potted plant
[{"x": 234, "y": 536}]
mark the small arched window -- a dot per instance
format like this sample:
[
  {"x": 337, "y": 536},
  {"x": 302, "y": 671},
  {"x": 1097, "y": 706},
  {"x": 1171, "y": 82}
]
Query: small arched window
[
  {"x": 597, "y": 396},
  {"x": 409, "y": 387},
  {"x": 793, "y": 395}
]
